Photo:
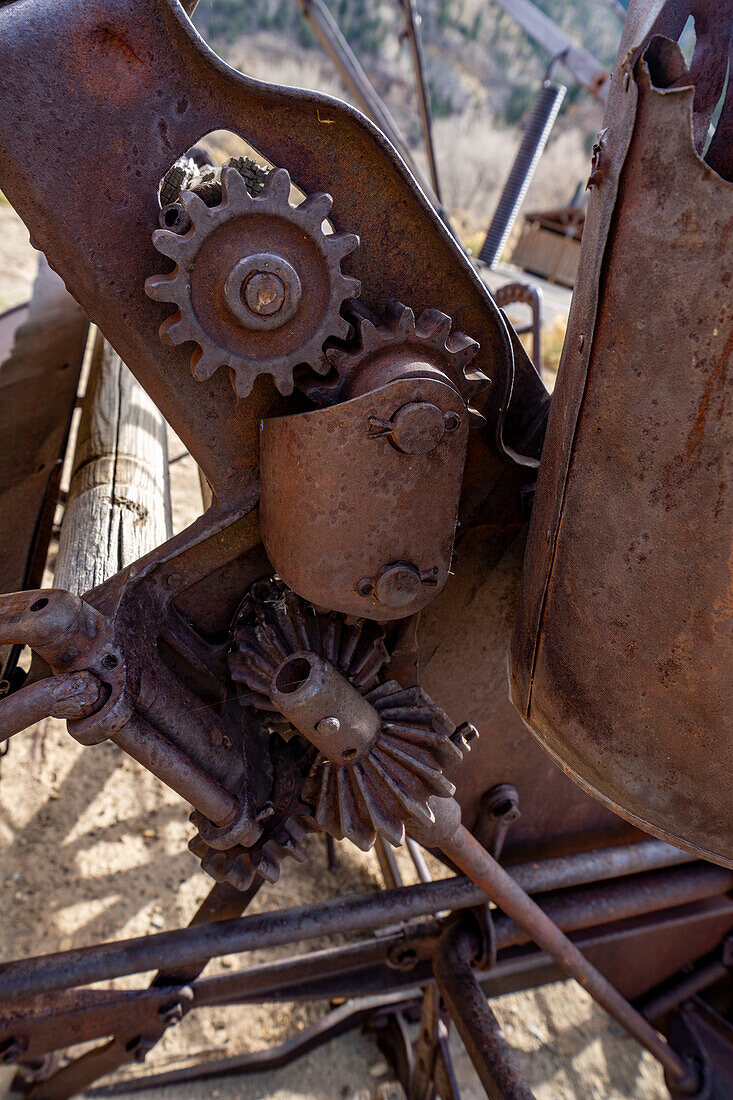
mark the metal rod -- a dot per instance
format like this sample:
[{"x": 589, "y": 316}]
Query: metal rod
[
  {"x": 388, "y": 864},
  {"x": 72, "y": 695},
  {"x": 586, "y": 69},
  {"x": 222, "y": 902},
  {"x": 26, "y": 977},
  {"x": 534, "y": 139},
  {"x": 333, "y": 43},
  {"x": 161, "y": 757},
  {"x": 682, "y": 990},
  {"x": 478, "y": 1027},
  {"x": 466, "y": 853},
  {"x": 412, "y": 26},
  {"x": 418, "y": 859}
]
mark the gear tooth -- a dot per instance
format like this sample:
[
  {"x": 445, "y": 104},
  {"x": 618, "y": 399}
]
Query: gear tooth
[
  {"x": 276, "y": 188},
  {"x": 284, "y": 381},
  {"x": 435, "y": 326},
  {"x": 462, "y": 348},
  {"x": 349, "y": 288},
  {"x": 170, "y": 244},
  {"x": 317, "y": 207},
  {"x": 343, "y": 331},
  {"x": 234, "y": 188},
  {"x": 240, "y": 875},
  {"x": 242, "y": 382},
  {"x": 337, "y": 357},
  {"x": 174, "y": 330},
  {"x": 400, "y": 320},
  {"x": 213, "y": 864},
  {"x": 369, "y": 337},
  {"x": 163, "y": 288},
  {"x": 196, "y": 209},
  {"x": 203, "y": 364},
  {"x": 343, "y": 244},
  {"x": 198, "y": 846}
]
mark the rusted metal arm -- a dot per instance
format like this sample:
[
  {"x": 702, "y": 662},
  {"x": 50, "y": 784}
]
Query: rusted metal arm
[
  {"x": 477, "y": 1025},
  {"x": 71, "y": 695},
  {"x": 465, "y": 852},
  {"x": 586, "y": 69}
]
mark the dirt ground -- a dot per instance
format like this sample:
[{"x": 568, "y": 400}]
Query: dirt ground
[{"x": 94, "y": 848}]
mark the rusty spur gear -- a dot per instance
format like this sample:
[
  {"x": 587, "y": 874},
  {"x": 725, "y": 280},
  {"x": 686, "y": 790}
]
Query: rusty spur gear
[
  {"x": 394, "y": 346},
  {"x": 258, "y": 285},
  {"x": 284, "y": 824},
  {"x": 404, "y": 765}
]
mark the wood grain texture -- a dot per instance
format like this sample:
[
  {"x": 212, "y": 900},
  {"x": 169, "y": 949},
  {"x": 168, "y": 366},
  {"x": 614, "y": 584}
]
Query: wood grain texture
[{"x": 118, "y": 506}]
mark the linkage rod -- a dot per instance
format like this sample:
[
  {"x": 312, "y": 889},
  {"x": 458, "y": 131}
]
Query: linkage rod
[{"x": 466, "y": 853}]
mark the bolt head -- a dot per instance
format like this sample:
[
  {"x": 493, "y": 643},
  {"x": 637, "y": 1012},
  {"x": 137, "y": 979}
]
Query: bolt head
[
  {"x": 418, "y": 428},
  {"x": 264, "y": 293},
  {"x": 398, "y": 585},
  {"x": 328, "y": 726}
]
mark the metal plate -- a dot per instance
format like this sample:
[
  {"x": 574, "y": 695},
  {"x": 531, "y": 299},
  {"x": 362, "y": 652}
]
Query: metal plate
[
  {"x": 338, "y": 503},
  {"x": 622, "y": 655}
]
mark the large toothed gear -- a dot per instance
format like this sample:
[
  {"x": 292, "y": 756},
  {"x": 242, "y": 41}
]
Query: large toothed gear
[
  {"x": 423, "y": 346},
  {"x": 258, "y": 285}
]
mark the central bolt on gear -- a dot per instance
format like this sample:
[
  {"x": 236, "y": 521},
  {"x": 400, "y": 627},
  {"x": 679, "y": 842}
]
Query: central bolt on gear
[
  {"x": 403, "y": 768},
  {"x": 257, "y": 283}
]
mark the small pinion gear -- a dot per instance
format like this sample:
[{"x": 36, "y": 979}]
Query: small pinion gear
[
  {"x": 427, "y": 342},
  {"x": 257, "y": 284},
  {"x": 284, "y": 826}
]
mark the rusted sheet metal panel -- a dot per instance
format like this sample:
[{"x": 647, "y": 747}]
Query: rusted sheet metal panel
[
  {"x": 468, "y": 627},
  {"x": 622, "y": 653},
  {"x": 42, "y": 347},
  {"x": 345, "y": 511}
]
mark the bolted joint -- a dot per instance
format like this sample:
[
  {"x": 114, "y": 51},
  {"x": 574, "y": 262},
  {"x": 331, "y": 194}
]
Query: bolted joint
[{"x": 324, "y": 706}]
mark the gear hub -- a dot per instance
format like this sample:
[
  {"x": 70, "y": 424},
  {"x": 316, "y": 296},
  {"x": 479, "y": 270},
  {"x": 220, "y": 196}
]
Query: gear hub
[{"x": 258, "y": 285}]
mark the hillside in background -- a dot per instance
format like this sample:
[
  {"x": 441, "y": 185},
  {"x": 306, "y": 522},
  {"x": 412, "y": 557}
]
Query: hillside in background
[{"x": 484, "y": 74}]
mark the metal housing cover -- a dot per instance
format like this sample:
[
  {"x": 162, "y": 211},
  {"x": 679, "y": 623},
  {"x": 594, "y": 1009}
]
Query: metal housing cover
[{"x": 621, "y": 660}]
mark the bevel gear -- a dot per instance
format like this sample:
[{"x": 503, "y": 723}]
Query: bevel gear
[
  {"x": 284, "y": 824},
  {"x": 398, "y": 345},
  {"x": 395, "y": 779},
  {"x": 273, "y": 622},
  {"x": 257, "y": 283},
  {"x": 416, "y": 741}
]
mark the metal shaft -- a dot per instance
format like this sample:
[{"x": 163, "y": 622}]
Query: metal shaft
[
  {"x": 71, "y": 695},
  {"x": 477, "y": 1025},
  {"x": 467, "y": 854},
  {"x": 412, "y": 24},
  {"x": 81, "y": 966}
]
